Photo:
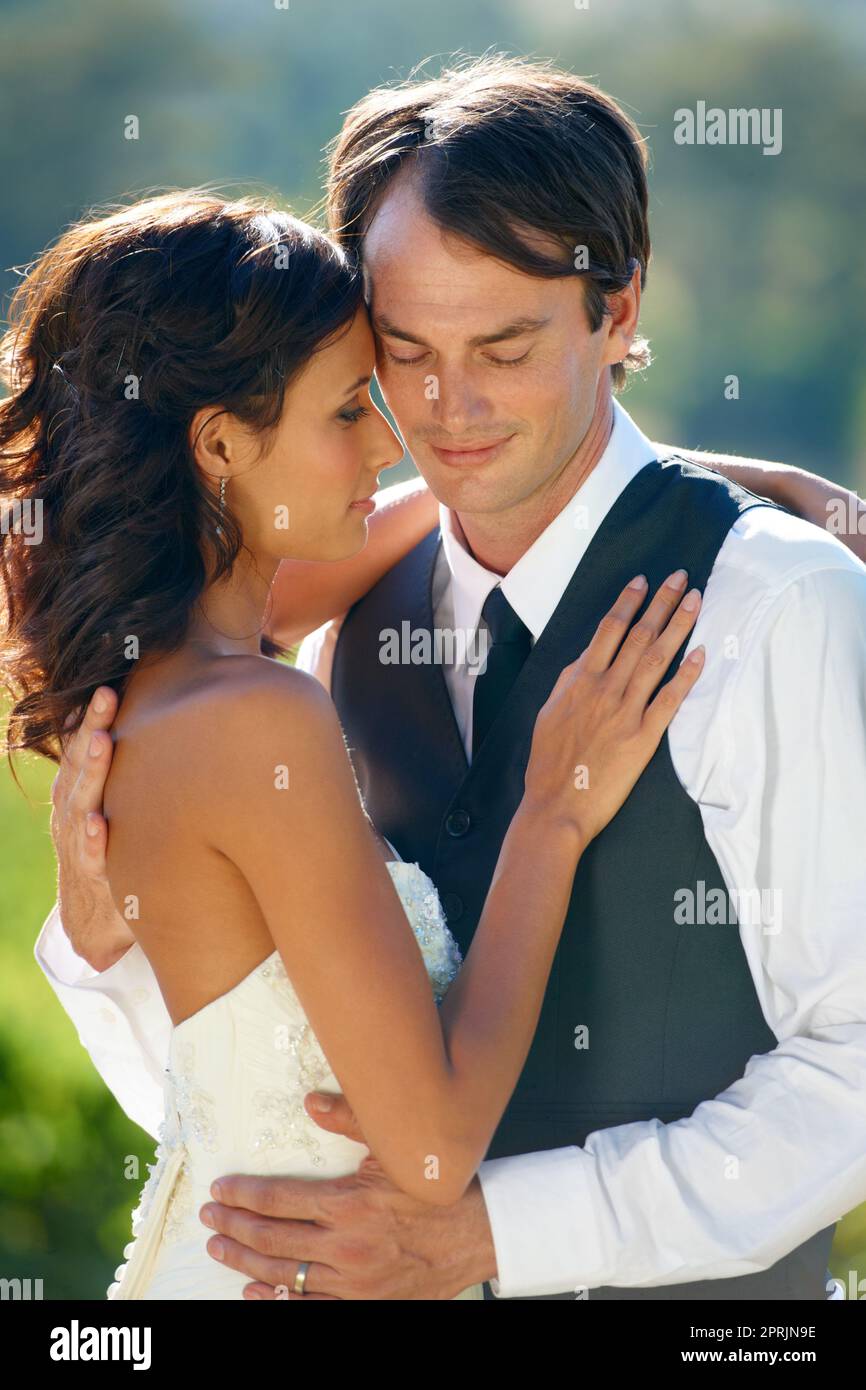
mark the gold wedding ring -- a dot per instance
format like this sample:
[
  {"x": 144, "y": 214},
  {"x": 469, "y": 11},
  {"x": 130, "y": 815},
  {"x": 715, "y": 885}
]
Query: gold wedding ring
[{"x": 301, "y": 1277}]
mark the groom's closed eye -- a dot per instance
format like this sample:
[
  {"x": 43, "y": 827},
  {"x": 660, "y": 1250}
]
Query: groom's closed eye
[
  {"x": 489, "y": 357},
  {"x": 519, "y": 328}
]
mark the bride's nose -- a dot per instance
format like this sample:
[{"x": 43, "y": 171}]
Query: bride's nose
[{"x": 389, "y": 447}]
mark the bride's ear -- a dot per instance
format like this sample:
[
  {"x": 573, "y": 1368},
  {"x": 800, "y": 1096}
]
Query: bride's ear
[{"x": 211, "y": 441}]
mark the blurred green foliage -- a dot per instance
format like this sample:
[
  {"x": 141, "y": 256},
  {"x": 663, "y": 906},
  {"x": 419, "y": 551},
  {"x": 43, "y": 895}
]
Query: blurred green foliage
[
  {"x": 757, "y": 268},
  {"x": 65, "y": 1145},
  {"x": 757, "y": 271}
]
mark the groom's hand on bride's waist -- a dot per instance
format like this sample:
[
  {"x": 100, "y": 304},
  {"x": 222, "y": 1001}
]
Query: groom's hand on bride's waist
[
  {"x": 362, "y": 1237},
  {"x": 79, "y": 830}
]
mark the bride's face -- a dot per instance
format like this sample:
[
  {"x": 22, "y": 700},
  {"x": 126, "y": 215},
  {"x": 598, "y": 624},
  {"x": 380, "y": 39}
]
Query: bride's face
[{"x": 298, "y": 490}]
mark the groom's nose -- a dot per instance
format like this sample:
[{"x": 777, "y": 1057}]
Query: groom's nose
[{"x": 457, "y": 401}]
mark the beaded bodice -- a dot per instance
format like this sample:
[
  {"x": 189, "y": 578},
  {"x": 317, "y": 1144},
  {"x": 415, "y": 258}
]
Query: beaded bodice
[{"x": 235, "y": 1084}]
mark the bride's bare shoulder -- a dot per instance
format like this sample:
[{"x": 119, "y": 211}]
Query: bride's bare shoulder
[
  {"x": 254, "y": 704},
  {"x": 271, "y": 728},
  {"x": 210, "y": 728},
  {"x": 262, "y": 684}
]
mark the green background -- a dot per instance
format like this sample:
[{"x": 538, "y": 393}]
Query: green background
[{"x": 757, "y": 271}]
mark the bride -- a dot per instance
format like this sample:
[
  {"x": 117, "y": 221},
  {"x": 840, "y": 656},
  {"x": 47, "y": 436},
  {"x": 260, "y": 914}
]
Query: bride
[{"x": 190, "y": 402}]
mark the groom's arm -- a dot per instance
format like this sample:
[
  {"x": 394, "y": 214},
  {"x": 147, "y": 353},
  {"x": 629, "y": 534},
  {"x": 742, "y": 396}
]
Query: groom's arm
[
  {"x": 119, "y": 1016},
  {"x": 780, "y": 1154},
  {"x": 85, "y": 950}
]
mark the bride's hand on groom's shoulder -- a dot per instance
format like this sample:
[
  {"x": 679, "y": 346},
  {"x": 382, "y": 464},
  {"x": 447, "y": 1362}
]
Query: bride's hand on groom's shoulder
[
  {"x": 79, "y": 830},
  {"x": 599, "y": 728}
]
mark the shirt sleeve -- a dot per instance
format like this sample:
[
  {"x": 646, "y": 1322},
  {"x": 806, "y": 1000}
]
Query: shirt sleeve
[
  {"x": 781, "y": 1154},
  {"x": 120, "y": 1018},
  {"x": 316, "y": 652}
]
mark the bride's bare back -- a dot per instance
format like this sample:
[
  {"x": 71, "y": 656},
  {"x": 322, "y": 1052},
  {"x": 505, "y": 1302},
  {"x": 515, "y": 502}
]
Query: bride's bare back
[{"x": 189, "y": 907}]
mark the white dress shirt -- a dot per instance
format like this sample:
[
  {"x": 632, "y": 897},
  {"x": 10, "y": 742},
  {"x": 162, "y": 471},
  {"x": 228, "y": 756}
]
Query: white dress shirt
[{"x": 771, "y": 745}]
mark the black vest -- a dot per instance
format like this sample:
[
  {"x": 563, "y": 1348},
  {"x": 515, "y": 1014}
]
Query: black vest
[{"x": 644, "y": 1017}]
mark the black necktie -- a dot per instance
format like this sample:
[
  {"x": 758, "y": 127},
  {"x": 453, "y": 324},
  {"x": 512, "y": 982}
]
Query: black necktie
[{"x": 508, "y": 645}]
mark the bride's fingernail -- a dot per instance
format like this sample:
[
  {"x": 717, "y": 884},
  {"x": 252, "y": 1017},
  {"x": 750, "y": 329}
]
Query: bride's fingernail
[
  {"x": 321, "y": 1103},
  {"x": 639, "y": 582},
  {"x": 206, "y": 1217},
  {"x": 678, "y": 580},
  {"x": 690, "y": 602},
  {"x": 215, "y": 1248}
]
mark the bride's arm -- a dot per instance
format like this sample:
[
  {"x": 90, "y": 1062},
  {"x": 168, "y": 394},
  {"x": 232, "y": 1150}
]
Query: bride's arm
[
  {"x": 307, "y": 593},
  {"x": 829, "y": 505},
  {"x": 429, "y": 1087}
]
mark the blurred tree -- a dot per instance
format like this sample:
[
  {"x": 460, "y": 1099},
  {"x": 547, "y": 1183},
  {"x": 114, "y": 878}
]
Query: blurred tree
[{"x": 757, "y": 271}]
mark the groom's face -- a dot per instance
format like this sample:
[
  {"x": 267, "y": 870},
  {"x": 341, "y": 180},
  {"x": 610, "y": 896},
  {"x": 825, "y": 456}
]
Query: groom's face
[{"x": 491, "y": 374}]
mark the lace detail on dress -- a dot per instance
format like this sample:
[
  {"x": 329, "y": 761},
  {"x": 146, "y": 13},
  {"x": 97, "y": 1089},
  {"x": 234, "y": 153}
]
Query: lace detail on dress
[
  {"x": 195, "y": 1108},
  {"x": 287, "y": 1123},
  {"x": 145, "y": 1197},
  {"x": 424, "y": 909},
  {"x": 189, "y": 1118},
  {"x": 179, "y": 1208},
  {"x": 191, "y": 1123}
]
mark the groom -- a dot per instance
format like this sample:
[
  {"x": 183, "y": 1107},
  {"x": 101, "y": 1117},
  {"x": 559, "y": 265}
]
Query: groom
[{"x": 690, "y": 1122}]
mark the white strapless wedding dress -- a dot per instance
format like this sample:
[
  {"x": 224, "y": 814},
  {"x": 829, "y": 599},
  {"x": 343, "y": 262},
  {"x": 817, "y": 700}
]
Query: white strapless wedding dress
[{"x": 234, "y": 1103}]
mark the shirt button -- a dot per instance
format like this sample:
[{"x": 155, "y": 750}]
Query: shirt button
[
  {"x": 453, "y": 906},
  {"x": 140, "y": 996},
  {"x": 458, "y": 823}
]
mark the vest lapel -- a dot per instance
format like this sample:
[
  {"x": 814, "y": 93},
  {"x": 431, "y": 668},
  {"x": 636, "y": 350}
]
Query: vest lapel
[
  {"x": 592, "y": 590},
  {"x": 625, "y": 537}
]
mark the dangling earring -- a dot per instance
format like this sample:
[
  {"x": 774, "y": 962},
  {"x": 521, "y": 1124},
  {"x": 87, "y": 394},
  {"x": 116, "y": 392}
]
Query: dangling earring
[{"x": 223, "y": 481}]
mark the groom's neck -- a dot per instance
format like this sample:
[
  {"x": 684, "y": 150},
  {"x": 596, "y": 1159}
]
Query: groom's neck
[{"x": 498, "y": 539}]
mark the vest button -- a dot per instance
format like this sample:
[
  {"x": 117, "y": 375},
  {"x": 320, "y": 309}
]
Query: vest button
[
  {"x": 453, "y": 906},
  {"x": 458, "y": 823}
]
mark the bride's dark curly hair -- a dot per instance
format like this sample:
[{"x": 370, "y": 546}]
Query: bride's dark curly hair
[{"x": 119, "y": 333}]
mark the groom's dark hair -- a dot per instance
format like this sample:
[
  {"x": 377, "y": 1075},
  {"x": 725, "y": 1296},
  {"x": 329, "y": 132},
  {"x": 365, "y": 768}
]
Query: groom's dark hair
[{"x": 504, "y": 148}]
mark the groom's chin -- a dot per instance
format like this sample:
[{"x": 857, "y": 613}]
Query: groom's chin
[{"x": 465, "y": 493}]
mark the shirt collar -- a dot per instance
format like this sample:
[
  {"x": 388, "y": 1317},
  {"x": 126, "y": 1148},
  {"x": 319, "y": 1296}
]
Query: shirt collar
[{"x": 536, "y": 583}]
